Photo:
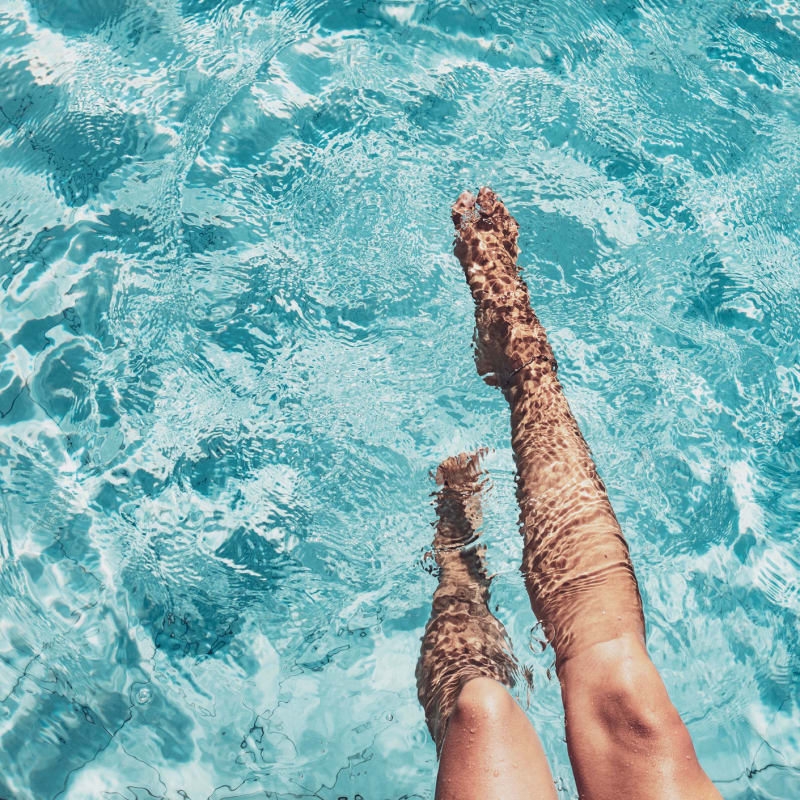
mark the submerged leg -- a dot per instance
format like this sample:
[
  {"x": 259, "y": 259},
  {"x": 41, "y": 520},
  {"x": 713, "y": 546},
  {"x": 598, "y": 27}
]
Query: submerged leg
[
  {"x": 487, "y": 747},
  {"x": 624, "y": 736}
]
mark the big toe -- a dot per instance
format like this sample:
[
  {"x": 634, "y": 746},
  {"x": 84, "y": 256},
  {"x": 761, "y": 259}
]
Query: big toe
[
  {"x": 463, "y": 206},
  {"x": 488, "y": 201}
]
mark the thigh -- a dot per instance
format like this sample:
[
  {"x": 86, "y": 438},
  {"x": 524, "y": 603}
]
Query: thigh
[{"x": 490, "y": 750}]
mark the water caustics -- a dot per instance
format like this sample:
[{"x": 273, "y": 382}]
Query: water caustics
[{"x": 235, "y": 342}]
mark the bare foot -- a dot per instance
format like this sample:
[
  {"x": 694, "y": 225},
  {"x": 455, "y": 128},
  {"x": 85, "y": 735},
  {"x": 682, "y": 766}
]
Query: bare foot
[
  {"x": 461, "y": 470},
  {"x": 509, "y": 336}
]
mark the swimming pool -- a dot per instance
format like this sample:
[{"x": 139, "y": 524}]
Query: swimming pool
[{"x": 235, "y": 342}]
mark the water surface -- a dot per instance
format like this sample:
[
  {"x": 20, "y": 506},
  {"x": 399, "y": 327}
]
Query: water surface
[{"x": 235, "y": 342}]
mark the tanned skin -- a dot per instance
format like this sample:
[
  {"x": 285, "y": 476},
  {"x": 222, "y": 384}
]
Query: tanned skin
[
  {"x": 466, "y": 662},
  {"x": 624, "y": 736}
]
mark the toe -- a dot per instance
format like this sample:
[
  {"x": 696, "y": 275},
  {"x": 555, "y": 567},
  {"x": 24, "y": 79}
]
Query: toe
[
  {"x": 488, "y": 201},
  {"x": 495, "y": 215},
  {"x": 461, "y": 469},
  {"x": 465, "y": 205}
]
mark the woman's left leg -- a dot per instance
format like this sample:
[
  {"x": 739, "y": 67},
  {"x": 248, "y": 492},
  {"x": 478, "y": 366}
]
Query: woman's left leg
[{"x": 487, "y": 747}]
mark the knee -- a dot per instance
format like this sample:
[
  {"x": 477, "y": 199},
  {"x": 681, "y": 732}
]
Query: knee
[
  {"x": 633, "y": 706},
  {"x": 626, "y": 699},
  {"x": 483, "y": 701}
]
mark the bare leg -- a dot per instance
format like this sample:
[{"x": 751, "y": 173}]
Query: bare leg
[
  {"x": 491, "y": 751},
  {"x": 624, "y": 736},
  {"x": 488, "y": 749}
]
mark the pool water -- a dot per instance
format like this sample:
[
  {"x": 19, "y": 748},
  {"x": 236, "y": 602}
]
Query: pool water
[{"x": 235, "y": 342}]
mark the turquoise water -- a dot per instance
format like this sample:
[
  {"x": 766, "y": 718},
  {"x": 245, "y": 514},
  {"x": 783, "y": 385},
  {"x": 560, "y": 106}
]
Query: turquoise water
[{"x": 235, "y": 342}]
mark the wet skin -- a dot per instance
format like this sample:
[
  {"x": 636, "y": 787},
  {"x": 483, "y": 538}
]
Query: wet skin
[
  {"x": 463, "y": 639},
  {"x": 624, "y": 736}
]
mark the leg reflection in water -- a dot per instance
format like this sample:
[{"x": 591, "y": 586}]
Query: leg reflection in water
[{"x": 624, "y": 736}]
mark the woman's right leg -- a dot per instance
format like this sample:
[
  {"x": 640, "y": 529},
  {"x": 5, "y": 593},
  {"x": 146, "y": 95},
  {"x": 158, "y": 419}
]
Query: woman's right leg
[{"x": 624, "y": 736}]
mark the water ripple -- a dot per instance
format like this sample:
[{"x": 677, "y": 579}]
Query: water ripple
[{"x": 234, "y": 343}]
